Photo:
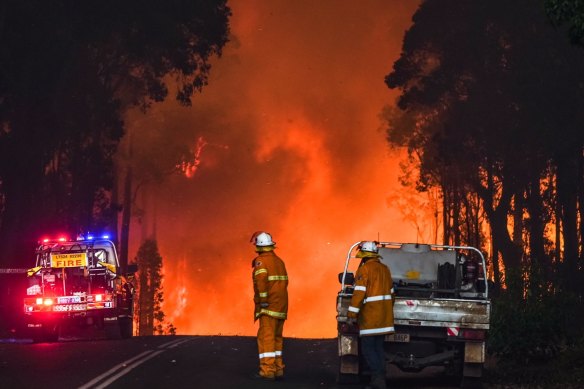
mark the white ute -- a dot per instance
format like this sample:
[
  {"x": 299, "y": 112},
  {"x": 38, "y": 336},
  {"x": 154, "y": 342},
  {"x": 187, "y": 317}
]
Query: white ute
[{"x": 441, "y": 311}]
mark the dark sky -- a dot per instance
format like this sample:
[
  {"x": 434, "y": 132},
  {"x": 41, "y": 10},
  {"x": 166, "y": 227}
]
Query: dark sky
[{"x": 295, "y": 147}]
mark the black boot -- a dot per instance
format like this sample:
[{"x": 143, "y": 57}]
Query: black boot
[{"x": 377, "y": 381}]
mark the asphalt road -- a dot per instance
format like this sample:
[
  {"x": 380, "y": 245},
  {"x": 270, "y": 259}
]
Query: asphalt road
[{"x": 175, "y": 362}]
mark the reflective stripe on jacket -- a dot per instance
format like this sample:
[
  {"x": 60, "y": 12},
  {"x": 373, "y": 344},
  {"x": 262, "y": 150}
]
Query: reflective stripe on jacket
[
  {"x": 372, "y": 300},
  {"x": 270, "y": 285}
]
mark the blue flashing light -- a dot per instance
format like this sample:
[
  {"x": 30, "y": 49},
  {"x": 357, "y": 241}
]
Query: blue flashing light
[{"x": 93, "y": 237}]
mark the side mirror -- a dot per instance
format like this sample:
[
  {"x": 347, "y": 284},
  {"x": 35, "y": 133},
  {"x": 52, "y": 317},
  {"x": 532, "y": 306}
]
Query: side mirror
[{"x": 349, "y": 278}]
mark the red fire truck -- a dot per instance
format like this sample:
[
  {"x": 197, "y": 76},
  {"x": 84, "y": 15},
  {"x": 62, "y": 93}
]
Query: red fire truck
[{"x": 78, "y": 283}]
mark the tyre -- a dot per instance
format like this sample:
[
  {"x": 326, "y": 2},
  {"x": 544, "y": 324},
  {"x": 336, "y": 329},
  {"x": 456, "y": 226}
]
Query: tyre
[
  {"x": 126, "y": 327},
  {"x": 471, "y": 383},
  {"x": 112, "y": 330},
  {"x": 348, "y": 379},
  {"x": 46, "y": 334},
  {"x": 472, "y": 376}
]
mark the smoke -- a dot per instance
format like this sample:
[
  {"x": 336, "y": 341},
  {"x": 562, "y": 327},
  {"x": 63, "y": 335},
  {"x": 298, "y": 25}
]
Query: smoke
[{"x": 293, "y": 146}]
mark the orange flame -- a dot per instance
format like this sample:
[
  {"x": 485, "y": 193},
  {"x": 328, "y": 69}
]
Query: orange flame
[{"x": 307, "y": 163}]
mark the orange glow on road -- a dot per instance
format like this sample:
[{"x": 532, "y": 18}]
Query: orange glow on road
[{"x": 295, "y": 99}]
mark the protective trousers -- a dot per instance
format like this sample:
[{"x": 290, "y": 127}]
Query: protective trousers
[
  {"x": 372, "y": 349},
  {"x": 270, "y": 345}
]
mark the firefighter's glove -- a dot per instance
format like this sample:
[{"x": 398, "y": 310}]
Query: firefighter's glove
[
  {"x": 352, "y": 321},
  {"x": 264, "y": 305}
]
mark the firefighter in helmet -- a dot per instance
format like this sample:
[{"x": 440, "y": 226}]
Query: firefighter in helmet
[
  {"x": 372, "y": 306},
  {"x": 270, "y": 285}
]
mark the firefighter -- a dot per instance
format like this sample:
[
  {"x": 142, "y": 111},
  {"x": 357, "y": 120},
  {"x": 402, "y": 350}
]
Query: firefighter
[
  {"x": 270, "y": 284},
  {"x": 372, "y": 306}
]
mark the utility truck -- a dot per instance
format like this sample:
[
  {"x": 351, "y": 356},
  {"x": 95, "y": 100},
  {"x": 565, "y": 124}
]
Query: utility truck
[
  {"x": 78, "y": 284},
  {"x": 441, "y": 311}
]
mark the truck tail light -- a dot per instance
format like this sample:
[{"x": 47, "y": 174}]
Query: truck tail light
[
  {"x": 48, "y": 302},
  {"x": 98, "y": 297},
  {"x": 472, "y": 334}
]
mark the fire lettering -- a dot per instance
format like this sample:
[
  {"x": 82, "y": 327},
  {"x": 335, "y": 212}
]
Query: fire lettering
[
  {"x": 69, "y": 260},
  {"x": 69, "y": 263}
]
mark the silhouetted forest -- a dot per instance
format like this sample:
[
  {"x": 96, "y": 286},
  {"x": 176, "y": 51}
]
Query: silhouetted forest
[
  {"x": 491, "y": 113},
  {"x": 69, "y": 71}
]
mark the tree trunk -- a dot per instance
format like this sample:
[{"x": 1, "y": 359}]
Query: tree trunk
[
  {"x": 497, "y": 216},
  {"x": 446, "y": 207},
  {"x": 126, "y": 218},
  {"x": 539, "y": 266},
  {"x": 495, "y": 264},
  {"x": 580, "y": 187},
  {"x": 567, "y": 198}
]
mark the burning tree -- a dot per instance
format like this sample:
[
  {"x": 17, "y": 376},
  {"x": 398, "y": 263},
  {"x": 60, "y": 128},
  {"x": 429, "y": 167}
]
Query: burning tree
[
  {"x": 494, "y": 122},
  {"x": 151, "y": 317}
]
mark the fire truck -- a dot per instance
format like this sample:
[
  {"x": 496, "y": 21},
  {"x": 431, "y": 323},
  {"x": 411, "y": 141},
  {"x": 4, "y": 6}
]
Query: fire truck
[
  {"x": 441, "y": 311},
  {"x": 78, "y": 284}
]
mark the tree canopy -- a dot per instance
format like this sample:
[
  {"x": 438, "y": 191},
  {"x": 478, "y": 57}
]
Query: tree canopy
[
  {"x": 68, "y": 72},
  {"x": 568, "y": 13},
  {"x": 490, "y": 108}
]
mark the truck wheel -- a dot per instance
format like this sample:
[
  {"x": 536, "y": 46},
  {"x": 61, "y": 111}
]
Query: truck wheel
[
  {"x": 112, "y": 330},
  {"x": 348, "y": 379},
  {"x": 471, "y": 376},
  {"x": 48, "y": 334},
  {"x": 471, "y": 383},
  {"x": 126, "y": 327}
]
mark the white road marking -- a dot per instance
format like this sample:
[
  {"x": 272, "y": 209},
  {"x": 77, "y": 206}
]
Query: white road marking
[
  {"x": 125, "y": 367},
  {"x": 128, "y": 369}
]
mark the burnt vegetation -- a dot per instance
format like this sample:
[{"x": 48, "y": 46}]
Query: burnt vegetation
[{"x": 490, "y": 110}]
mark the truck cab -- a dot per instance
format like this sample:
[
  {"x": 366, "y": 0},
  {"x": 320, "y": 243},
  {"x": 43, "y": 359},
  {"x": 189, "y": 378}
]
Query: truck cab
[{"x": 441, "y": 311}]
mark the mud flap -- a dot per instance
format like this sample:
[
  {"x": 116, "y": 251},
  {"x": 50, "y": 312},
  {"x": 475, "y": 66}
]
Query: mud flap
[
  {"x": 474, "y": 352},
  {"x": 348, "y": 359},
  {"x": 474, "y": 358}
]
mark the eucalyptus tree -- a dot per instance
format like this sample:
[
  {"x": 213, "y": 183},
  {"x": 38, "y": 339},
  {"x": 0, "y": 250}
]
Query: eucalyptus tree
[
  {"x": 151, "y": 317},
  {"x": 489, "y": 106}
]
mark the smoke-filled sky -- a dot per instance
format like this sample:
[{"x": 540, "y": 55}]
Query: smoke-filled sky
[{"x": 294, "y": 146}]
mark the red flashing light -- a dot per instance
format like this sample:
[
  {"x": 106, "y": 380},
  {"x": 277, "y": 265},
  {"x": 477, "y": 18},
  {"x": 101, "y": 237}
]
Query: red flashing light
[
  {"x": 58, "y": 238},
  {"x": 98, "y": 297},
  {"x": 48, "y": 302},
  {"x": 39, "y": 300}
]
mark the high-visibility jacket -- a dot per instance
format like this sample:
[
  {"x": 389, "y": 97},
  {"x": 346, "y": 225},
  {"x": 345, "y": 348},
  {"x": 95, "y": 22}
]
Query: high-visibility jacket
[
  {"x": 372, "y": 300},
  {"x": 270, "y": 285}
]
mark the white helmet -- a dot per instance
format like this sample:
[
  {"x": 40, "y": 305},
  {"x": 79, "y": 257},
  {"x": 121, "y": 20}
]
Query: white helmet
[
  {"x": 369, "y": 246},
  {"x": 263, "y": 239}
]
